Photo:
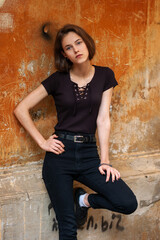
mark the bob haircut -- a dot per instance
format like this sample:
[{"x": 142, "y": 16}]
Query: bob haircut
[{"x": 63, "y": 64}]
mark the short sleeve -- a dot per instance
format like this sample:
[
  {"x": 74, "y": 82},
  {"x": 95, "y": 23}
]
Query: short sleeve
[
  {"x": 50, "y": 83},
  {"x": 110, "y": 80}
]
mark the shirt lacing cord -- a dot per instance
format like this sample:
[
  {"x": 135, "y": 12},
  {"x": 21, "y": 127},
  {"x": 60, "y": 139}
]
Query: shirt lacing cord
[{"x": 81, "y": 93}]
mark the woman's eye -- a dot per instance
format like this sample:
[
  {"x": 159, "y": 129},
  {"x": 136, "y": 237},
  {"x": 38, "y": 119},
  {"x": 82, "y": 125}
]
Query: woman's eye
[
  {"x": 68, "y": 48},
  {"x": 79, "y": 42}
]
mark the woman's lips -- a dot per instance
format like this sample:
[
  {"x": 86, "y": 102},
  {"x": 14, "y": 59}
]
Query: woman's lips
[{"x": 79, "y": 55}]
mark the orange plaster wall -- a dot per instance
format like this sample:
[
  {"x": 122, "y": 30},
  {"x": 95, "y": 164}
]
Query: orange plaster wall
[{"x": 127, "y": 35}]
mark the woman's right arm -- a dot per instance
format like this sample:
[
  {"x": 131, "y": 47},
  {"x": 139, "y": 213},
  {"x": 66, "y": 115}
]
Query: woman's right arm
[{"x": 22, "y": 114}]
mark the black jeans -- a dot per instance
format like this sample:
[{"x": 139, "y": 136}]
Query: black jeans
[{"x": 80, "y": 162}]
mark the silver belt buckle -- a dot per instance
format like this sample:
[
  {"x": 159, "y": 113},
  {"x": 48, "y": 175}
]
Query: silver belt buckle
[{"x": 78, "y": 141}]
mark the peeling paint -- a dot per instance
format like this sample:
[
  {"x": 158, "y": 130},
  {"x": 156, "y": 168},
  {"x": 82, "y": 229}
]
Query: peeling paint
[
  {"x": 32, "y": 66},
  {"x": 43, "y": 57},
  {"x": 2, "y": 3},
  {"x": 88, "y": 19},
  {"x": 4, "y": 93},
  {"x": 22, "y": 85},
  {"x": 6, "y": 22},
  {"x": 21, "y": 70}
]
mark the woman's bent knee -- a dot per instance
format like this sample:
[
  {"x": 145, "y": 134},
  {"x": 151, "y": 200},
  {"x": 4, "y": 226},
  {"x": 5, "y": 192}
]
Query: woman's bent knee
[{"x": 131, "y": 206}]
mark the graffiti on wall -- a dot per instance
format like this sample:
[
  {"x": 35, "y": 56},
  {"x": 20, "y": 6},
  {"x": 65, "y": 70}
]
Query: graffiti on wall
[{"x": 104, "y": 224}]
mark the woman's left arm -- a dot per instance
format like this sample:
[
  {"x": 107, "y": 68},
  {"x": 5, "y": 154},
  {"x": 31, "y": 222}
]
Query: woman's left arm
[{"x": 103, "y": 127}]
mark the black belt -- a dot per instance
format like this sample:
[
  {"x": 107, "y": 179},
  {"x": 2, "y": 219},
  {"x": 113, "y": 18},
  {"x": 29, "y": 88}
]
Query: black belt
[{"x": 77, "y": 138}]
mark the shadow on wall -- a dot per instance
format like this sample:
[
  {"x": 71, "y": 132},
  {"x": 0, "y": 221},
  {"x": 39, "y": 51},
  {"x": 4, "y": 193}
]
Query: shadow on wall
[{"x": 49, "y": 30}]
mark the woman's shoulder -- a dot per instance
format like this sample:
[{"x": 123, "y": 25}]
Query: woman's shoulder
[
  {"x": 53, "y": 81},
  {"x": 58, "y": 74},
  {"x": 107, "y": 77},
  {"x": 103, "y": 68},
  {"x": 104, "y": 71}
]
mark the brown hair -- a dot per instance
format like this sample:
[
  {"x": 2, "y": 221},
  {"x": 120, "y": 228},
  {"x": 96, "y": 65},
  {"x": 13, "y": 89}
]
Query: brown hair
[{"x": 61, "y": 63}]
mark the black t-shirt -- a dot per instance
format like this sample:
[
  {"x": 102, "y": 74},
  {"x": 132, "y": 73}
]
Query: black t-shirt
[{"x": 75, "y": 112}]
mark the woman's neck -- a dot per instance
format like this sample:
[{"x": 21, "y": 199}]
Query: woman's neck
[
  {"x": 82, "y": 70},
  {"x": 82, "y": 74}
]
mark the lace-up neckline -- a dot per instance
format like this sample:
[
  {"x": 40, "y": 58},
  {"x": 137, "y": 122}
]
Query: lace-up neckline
[{"x": 81, "y": 92}]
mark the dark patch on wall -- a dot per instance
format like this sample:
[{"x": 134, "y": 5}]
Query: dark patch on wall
[
  {"x": 36, "y": 115},
  {"x": 49, "y": 30},
  {"x": 155, "y": 197},
  {"x": 46, "y": 34}
]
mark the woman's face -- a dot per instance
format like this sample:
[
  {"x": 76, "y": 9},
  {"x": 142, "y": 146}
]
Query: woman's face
[{"x": 74, "y": 48}]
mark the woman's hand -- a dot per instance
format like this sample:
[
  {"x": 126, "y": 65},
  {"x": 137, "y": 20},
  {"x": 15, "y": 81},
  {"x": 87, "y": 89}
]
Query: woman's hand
[
  {"x": 53, "y": 145},
  {"x": 108, "y": 170}
]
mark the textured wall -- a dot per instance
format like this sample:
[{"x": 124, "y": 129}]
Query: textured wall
[
  {"x": 127, "y": 35},
  {"x": 25, "y": 212}
]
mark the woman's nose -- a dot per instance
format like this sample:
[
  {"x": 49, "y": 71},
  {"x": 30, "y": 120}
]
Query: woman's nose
[{"x": 75, "y": 49}]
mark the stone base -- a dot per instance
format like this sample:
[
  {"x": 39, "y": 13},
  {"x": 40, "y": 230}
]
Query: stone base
[{"x": 25, "y": 212}]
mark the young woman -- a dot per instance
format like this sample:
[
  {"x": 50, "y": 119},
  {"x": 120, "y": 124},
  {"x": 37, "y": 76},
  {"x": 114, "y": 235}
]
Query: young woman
[{"x": 82, "y": 94}]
